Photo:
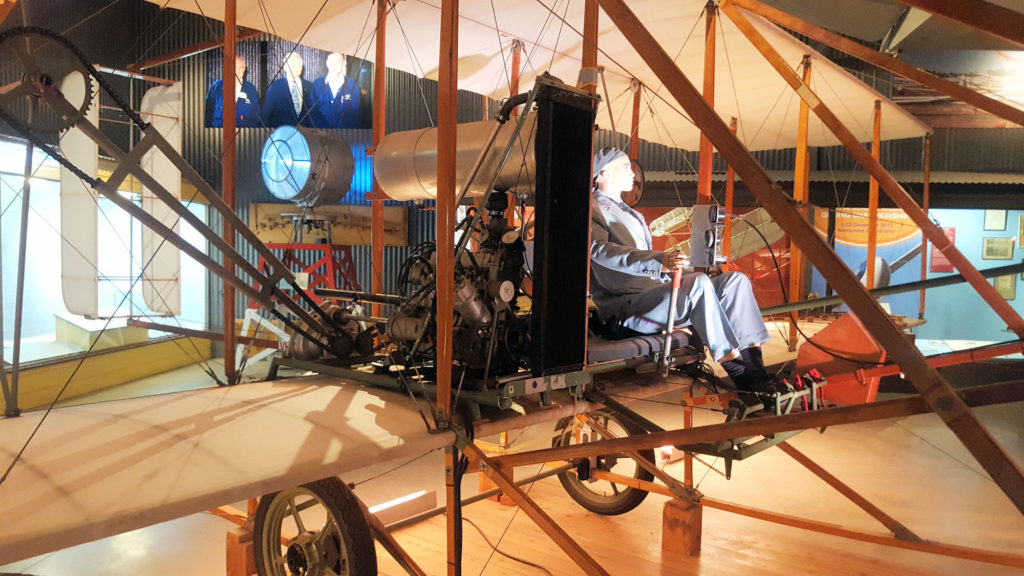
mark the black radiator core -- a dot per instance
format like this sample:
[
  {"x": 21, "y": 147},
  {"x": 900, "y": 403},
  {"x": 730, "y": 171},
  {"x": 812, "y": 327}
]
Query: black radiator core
[{"x": 563, "y": 148}]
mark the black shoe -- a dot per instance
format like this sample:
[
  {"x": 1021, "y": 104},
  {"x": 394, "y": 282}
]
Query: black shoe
[{"x": 773, "y": 385}]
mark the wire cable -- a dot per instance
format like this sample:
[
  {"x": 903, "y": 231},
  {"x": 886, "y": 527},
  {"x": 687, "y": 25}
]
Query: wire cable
[
  {"x": 393, "y": 469},
  {"x": 785, "y": 298},
  {"x": 503, "y": 553},
  {"x": 494, "y": 547}
]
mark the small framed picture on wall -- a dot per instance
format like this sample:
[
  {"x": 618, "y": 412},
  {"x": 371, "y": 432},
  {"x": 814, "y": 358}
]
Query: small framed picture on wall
[
  {"x": 995, "y": 219},
  {"x": 1020, "y": 228},
  {"x": 997, "y": 248},
  {"x": 1006, "y": 286}
]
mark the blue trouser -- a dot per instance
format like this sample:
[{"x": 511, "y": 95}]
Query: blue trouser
[{"x": 721, "y": 310}]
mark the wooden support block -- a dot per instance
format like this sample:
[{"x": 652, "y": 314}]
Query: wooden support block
[
  {"x": 487, "y": 484},
  {"x": 681, "y": 527},
  {"x": 240, "y": 559}
]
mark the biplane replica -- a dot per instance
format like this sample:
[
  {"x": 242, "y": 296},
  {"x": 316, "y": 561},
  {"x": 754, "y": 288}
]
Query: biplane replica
[{"x": 488, "y": 327}]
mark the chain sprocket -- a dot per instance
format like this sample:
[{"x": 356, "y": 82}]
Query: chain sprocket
[{"x": 35, "y": 63}]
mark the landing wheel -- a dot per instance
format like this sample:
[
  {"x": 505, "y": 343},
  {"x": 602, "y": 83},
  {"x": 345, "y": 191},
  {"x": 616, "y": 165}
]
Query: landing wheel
[
  {"x": 317, "y": 529},
  {"x": 601, "y": 496}
]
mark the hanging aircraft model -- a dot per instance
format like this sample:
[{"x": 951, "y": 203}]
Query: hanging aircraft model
[{"x": 502, "y": 336}]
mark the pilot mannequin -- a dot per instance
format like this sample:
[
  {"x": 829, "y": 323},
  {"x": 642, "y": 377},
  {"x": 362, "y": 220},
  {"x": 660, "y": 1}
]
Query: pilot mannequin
[{"x": 632, "y": 289}]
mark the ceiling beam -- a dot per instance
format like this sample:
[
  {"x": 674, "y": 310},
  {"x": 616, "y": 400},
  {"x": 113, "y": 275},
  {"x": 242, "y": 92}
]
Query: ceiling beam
[
  {"x": 884, "y": 61},
  {"x": 989, "y": 18}
]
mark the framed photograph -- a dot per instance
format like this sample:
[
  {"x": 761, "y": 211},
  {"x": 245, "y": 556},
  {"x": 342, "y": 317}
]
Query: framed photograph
[
  {"x": 995, "y": 219},
  {"x": 1020, "y": 228},
  {"x": 939, "y": 261},
  {"x": 1006, "y": 286},
  {"x": 997, "y": 248}
]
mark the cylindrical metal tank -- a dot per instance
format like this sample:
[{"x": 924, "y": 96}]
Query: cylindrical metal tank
[
  {"x": 405, "y": 163},
  {"x": 307, "y": 166}
]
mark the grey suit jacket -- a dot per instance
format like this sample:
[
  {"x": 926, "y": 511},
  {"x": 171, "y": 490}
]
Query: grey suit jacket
[{"x": 619, "y": 267}]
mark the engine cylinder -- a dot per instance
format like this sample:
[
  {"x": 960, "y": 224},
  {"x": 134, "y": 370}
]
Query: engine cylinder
[{"x": 469, "y": 304}]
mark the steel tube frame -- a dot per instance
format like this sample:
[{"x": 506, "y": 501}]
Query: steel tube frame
[
  {"x": 281, "y": 271},
  {"x": 513, "y": 89},
  {"x": 109, "y": 189},
  {"x": 204, "y": 334},
  {"x": 19, "y": 296}
]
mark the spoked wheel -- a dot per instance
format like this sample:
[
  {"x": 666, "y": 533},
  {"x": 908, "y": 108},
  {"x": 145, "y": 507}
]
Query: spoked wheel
[
  {"x": 601, "y": 496},
  {"x": 317, "y": 529}
]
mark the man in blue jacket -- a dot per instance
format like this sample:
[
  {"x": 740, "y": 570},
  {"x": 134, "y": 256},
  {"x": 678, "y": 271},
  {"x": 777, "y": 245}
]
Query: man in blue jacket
[
  {"x": 287, "y": 101},
  {"x": 247, "y": 101},
  {"x": 632, "y": 290},
  {"x": 336, "y": 97}
]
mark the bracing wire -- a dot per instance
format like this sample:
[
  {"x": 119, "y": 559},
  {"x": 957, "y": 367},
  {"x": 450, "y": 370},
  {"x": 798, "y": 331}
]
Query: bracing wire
[
  {"x": 416, "y": 66},
  {"x": 558, "y": 36},
  {"x": 504, "y": 61},
  {"x": 657, "y": 89},
  {"x": 152, "y": 21},
  {"x": 87, "y": 18},
  {"x": 267, "y": 20},
  {"x": 540, "y": 34},
  {"x": 394, "y": 468},
  {"x": 741, "y": 126}
]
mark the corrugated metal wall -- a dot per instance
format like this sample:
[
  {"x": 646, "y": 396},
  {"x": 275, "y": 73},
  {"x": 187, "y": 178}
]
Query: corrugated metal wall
[{"x": 116, "y": 34}]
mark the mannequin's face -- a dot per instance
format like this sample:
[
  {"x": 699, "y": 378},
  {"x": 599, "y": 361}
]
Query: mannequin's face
[
  {"x": 616, "y": 176},
  {"x": 293, "y": 65}
]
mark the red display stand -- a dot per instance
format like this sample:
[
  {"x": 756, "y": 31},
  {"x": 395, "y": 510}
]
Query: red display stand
[{"x": 328, "y": 265}]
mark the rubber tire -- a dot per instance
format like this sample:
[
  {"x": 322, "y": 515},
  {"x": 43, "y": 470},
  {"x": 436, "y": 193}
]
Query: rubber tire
[
  {"x": 336, "y": 497},
  {"x": 628, "y": 498}
]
